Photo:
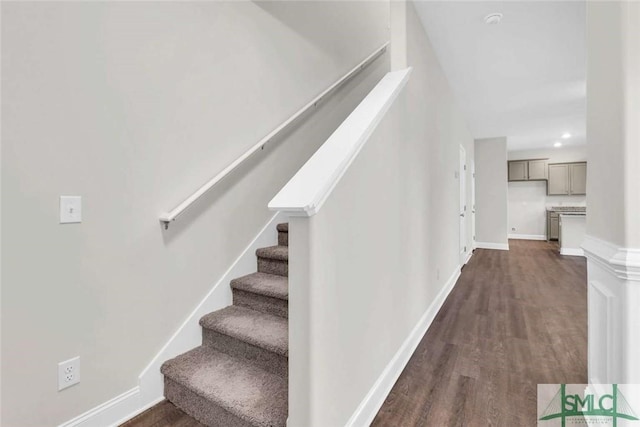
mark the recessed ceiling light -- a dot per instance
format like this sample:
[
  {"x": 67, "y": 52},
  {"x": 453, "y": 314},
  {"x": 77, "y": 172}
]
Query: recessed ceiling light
[
  {"x": 566, "y": 135},
  {"x": 493, "y": 18},
  {"x": 557, "y": 144}
]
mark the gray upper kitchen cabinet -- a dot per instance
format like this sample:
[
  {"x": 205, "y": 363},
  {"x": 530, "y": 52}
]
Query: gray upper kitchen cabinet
[
  {"x": 518, "y": 171},
  {"x": 537, "y": 169},
  {"x": 578, "y": 178},
  {"x": 567, "y": 179},
  {"x": 558, "y": 183},
  {"x": 527, "y": 170}
]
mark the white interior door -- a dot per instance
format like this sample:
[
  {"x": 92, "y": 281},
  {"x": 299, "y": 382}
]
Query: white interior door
[
  {"x": 462, "y": 176},
  {"x": 473, "y": 205}
]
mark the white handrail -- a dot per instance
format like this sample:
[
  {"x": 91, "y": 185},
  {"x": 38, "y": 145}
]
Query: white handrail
[
  {"x": 305, "y": 193},
  {"x": 167, "y": 217}
]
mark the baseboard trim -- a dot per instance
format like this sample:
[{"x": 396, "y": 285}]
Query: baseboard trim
[
  {"x": 468, "y": 257},
  {"x": 130, "y": 415},
  {"x": 370, "y": 405},
  {"x": 571, "y": 251},
  {"x": 150, "y": 389},
  {"x": 621, "y": 262},
  {"x": 497, "y": 246},
  {"x": 113, "y": 412},
  {"x": 527, "y": 236}
]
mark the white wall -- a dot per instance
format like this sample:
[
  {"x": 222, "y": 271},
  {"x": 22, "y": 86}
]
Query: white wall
[
  {"x": 612, "y": 244},
  {"x": 133, "y": 105},
  {"x": 372, "y": 262},
  {"x": 491, "y": 193},
  {"x": 613, "y": 124},
  {"x": 528, "y": 200}
]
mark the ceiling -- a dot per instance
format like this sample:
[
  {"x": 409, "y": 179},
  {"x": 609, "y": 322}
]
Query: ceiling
[{"x": 524, "y": 78}]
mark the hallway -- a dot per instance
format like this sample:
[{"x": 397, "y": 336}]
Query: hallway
[{"x": 515, "y": 319}]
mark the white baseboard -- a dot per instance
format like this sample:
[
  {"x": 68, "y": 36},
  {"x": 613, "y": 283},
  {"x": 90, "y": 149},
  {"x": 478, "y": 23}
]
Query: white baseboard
[
  {"x": 113, "y": 412},
  {"x": 468, "y": 257},
  {"x": 572, "y": 251},
  {"x": 528, "y": 236},
  {"x": 150, "y": 389},
  {"x": 498, "y": 246},
  {"x": 370, "y": 405}
]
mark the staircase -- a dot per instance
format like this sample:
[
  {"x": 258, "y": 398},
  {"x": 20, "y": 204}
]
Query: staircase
[{"x": 238, "y": 376}]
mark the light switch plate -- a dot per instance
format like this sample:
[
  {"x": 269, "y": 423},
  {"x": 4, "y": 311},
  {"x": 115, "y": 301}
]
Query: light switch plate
[{"x": 70, "y": 209}]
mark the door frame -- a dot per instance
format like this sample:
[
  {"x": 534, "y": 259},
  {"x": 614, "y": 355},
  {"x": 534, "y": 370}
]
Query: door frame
[
  {"x": 473, "y": 205},
  {"x": 462, "y": 211}
]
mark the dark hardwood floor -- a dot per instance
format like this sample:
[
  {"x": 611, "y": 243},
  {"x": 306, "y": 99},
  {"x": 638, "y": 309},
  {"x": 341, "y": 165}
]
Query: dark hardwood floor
[
  {"x": 164, "y": 414},
  {"x": 515, "y": 319}
]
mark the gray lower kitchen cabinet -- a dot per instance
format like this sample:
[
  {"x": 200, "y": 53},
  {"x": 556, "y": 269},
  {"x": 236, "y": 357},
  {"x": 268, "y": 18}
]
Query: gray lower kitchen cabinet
[
  {"x": 567, "y": 179},
  {"x": 518, "y": 171},
  {"x": 553, "y": 226}
]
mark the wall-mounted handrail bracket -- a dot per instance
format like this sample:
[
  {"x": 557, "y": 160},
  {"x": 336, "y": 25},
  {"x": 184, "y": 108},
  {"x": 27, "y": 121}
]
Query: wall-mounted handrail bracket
[{"x": 172, "y": 215}]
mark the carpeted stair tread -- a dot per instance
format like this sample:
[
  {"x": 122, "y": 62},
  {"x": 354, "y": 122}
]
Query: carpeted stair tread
[
  {"x": 270, "y": 285},
  {"x": 279, "y": 253},
  {"x": 259, "y": 329},
  {"x": 237, "y": 386},
  {"x": 284, "y": 227}
]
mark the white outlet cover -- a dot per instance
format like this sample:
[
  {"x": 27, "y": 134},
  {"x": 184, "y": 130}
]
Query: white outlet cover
[
  {"x": 68, "y": 373},
  {"x": 70, "y": 209}
]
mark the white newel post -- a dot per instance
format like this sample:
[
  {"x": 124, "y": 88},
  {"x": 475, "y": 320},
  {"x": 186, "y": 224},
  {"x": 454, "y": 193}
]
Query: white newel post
[{"x": 334, "y": 269}]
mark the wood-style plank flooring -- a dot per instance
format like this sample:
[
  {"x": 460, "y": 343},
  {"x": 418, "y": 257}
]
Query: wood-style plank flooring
[
  {"x": 163, "y": 414},
  {"x": 515, "y": 319}
]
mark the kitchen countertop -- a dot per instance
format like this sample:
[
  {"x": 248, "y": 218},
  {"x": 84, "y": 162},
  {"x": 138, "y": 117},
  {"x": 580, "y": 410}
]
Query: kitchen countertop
[{"x": 561, "y": 209}]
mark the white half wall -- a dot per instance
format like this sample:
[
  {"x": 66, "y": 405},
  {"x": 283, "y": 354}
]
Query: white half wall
[
  {"x": 491, "y": 193},
  {"x": 370, "y": 267}
]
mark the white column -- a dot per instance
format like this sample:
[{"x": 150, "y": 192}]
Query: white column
[{"x": 612, "y": 244}]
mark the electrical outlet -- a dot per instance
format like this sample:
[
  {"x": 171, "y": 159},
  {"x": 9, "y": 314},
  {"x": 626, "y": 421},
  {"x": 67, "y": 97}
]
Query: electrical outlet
[
  {"x": 68, "y": 373},
  {"x": 513, "y": 229}
]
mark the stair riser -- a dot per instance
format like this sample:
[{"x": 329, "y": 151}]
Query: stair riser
[
  {"x": 203, "y": 410},
  {"x": 283, "y": 238},
  {"x": 265, "y": 359},
  {"x": 273, "y": 266},
  {"x": 261, "y": 303}
]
